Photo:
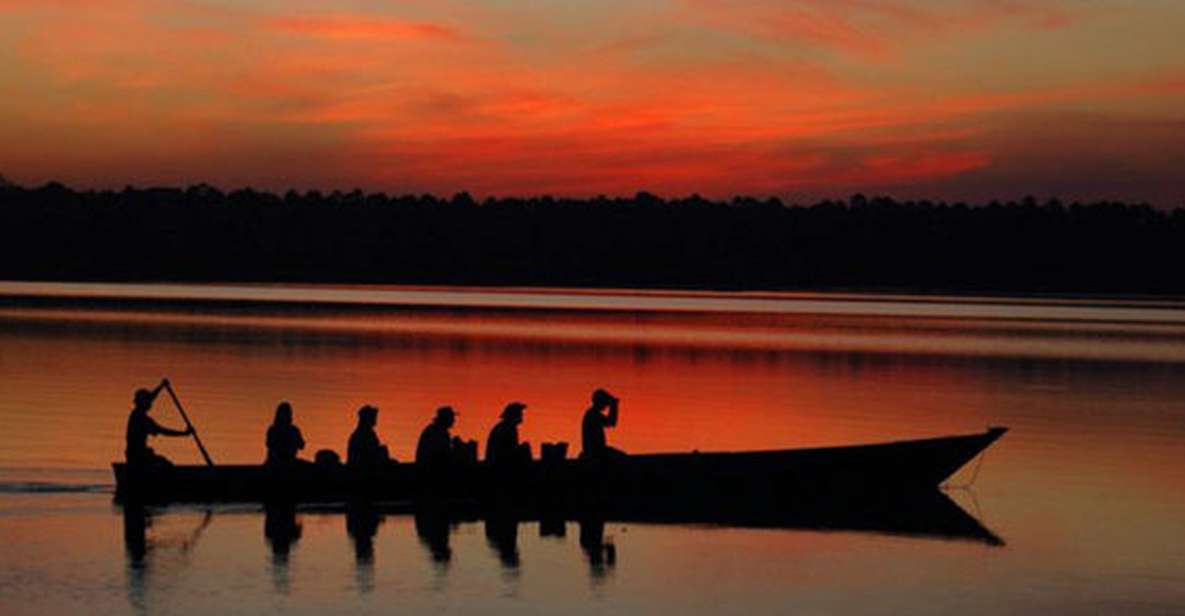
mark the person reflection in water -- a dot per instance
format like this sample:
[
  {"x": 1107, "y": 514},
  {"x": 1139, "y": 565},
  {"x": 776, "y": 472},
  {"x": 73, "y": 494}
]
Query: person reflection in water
[
  {"x": 593, "y": 443},
  {"x": 135, "y": 535},
  {"x": 602, "y": 557},
  {"x": 362, "y": 524},
  {"x": 141, "y": 426},
  {"x": 137, "y": 519},
  {"x": 135, "y": 540},
  {"x": 503, "y": 450},
  {"x": 502, "y": 536},
  {"x": 282, "y": 531},
  {"x": 433, "y": 528},
  {"x": 283, "y": 438},
  {"x": 365, "y": 451}
]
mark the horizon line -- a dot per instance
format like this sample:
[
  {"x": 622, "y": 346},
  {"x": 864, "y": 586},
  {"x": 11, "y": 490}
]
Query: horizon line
[{"x": 641, "y": 194}]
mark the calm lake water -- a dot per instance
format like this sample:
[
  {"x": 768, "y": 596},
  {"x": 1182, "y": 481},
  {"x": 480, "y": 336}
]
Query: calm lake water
[{"x": 1087, "y": 490}]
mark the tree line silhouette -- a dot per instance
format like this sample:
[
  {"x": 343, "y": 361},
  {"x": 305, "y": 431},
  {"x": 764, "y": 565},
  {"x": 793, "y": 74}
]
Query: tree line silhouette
[{"x": 204, "y": 234}]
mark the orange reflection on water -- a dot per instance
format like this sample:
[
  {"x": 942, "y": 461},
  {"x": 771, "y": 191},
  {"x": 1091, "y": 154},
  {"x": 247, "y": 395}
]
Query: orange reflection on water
[
  {"x": 687, "y": 380},
  {"x": 71, "y": 392}
]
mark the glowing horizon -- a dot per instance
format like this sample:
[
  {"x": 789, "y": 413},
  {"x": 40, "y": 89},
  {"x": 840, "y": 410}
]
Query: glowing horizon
[{"x": 974, "y": 99}]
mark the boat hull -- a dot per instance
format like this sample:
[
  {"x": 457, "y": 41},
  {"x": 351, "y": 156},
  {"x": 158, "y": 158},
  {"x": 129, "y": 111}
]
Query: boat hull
[{"x": 785, "y": 476}]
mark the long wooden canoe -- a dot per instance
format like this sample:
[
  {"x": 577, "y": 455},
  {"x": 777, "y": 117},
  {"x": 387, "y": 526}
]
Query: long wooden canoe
[{"x": 833, "y": 474}]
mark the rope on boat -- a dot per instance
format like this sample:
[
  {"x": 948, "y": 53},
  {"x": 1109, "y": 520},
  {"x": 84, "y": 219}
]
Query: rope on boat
[{"x": 974, "y": 475}]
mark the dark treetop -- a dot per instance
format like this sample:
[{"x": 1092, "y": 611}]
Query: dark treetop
[{"x": 202, "y": 234}]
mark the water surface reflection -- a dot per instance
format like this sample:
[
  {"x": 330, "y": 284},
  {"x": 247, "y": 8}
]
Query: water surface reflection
[
  {"x": 1088, "y": 488},
  {"x": 924, "y": 517}
]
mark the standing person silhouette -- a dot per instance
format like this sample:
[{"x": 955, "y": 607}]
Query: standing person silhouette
[
  {"x": 593, "y": 443},
  {"x": 141, "y": 426},
  {"x": 283, "y": 438}
]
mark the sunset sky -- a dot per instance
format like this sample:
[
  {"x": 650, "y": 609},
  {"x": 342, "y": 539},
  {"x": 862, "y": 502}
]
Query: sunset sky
[{"x": 951, "y": 99}]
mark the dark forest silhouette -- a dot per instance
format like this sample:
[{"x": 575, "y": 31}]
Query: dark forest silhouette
[{"x": 203, "y": 234}]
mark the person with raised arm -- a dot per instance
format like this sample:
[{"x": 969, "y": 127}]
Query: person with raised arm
[
  {"x": 141, "y": 426},
  {"x": 593, "y": 443}
]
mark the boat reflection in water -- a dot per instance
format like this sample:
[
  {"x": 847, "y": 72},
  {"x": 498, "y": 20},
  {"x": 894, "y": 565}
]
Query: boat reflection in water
[{"x": 921, "y": 515}]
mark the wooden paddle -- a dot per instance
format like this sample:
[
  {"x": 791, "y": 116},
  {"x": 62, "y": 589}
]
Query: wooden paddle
[{"x": 192, "y": 430}]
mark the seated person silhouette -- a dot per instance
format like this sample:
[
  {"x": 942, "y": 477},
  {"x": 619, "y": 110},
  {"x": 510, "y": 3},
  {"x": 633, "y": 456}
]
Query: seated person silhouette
[
  {"x": 283, "y": 438},
  {"x": 141, "y": 426},
  {"x": 365, "y": 451},
  {"x": 592, "y": 431},
  {"x": 503, "y": 451},
  {"x": 435, "y": 449}
]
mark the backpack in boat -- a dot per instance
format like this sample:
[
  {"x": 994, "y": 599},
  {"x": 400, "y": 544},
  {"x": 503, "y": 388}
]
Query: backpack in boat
[{"x": 327, "y": 457}]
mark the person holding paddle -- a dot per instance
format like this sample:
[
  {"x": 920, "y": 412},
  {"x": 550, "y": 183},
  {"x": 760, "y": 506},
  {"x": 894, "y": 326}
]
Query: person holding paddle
[{"x": 141, "y": 426}]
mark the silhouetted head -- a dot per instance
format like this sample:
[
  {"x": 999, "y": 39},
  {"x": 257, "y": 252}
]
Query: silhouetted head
[
  {"x": 445, "y": 416},
  {"x": 283, "y": 414},
  {"x": 602, "y": 398},
  {"x": 368, "y": 416},
  {"x": 514, "y": 412},
  {"x": 142, "y": 399}
]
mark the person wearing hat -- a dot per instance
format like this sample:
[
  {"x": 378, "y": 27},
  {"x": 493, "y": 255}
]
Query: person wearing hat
[
  {"x": 365, "y": 450},
  {"x": 502, "y": 448},
  {"x": 434, "y": 449},
  {"x": 593, "y": 443},
  {"x": 141, "y": 426}
]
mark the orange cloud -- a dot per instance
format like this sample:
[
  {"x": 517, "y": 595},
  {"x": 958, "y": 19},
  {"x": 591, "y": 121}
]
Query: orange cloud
[
  {"x": 359, "y": 27},
  {"x": 871, "y": 29},
  {"x": 755, "y": 96}
]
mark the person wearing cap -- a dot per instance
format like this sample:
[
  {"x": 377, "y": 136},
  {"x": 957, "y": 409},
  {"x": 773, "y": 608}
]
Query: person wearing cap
[
  {"x": 593, "y": 443},
  {"x": 434, "y": 449},
  {"x": 141, "y": 426},
  {"x": 365, "y": 449},
  {"x": 502, "y": 448}
]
